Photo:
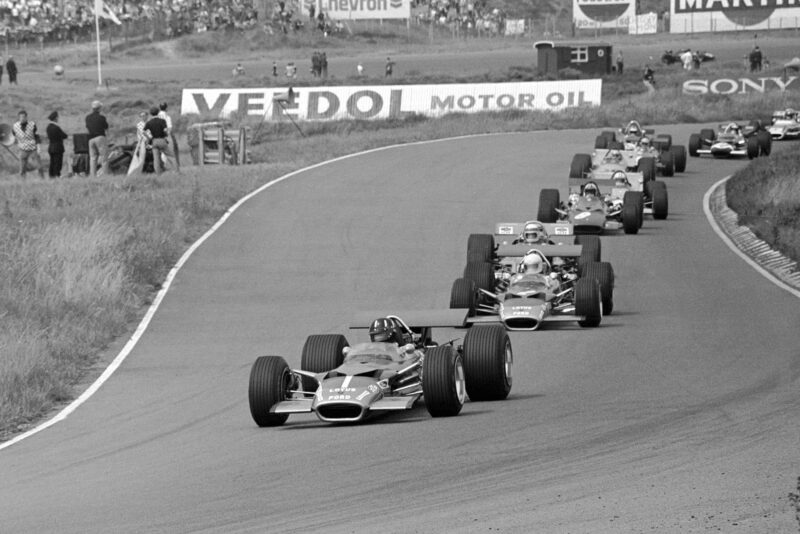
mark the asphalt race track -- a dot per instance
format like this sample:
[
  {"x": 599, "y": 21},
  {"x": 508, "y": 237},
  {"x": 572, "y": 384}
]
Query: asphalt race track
[{"x": 679, "y": 413}]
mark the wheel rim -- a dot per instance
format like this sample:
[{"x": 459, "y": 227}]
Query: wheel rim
[
  {"x": 508, "y": 361},
  {"x": 286, "y": 385},
  {"x": 461, "y": 381}
]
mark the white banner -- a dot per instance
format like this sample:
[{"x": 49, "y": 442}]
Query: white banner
[
  {"x": 515, "y": 27},
  {"x": 602, "y": 13},
  {"x": 741, "y": 86},
  {"x": 643, "y": 24},
  {"x": 693, "y": 16},
  {"x": 365, "y": 9},
  {"x": 389, "y": 101}
]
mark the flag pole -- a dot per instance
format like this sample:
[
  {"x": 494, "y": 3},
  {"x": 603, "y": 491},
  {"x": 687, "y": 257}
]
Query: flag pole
[{"x": 97, "y": 33}]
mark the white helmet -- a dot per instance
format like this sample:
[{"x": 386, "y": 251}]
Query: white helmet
[
  {"x": 620, "y": 179},
  {"x": 534, "y": 232},
  {"x": 534, "y": 263},
  {"x": 591, "y": 189},
  {"x": 645, "y": 142}
]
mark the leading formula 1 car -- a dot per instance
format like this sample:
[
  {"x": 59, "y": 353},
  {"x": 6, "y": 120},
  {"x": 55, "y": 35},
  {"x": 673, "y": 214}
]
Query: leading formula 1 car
[
  {"x": 785, "y": 124},
  {"x": 525, "y": 284},
  {"x": 732, "y": 140},
  {"x": 401, "y": 364}
]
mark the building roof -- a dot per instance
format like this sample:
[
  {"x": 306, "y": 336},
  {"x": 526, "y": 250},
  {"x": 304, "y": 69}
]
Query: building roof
[{"x": 567, "y": 44}]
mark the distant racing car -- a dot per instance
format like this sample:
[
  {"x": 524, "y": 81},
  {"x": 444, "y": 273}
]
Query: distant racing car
[
  {"x": 644, "y": 143},
  {"x": 341, "y": 383},
  {"x": 732, "y": 140},
  {"x": 785, "y": 124}
]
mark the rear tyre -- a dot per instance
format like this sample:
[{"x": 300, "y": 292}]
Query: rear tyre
[
  {"x": 581, "y": 164},
  {"x": 631, "y": 217},
  {"x": 480, "y": 247},
  {"x": 694, "y": 145},
  {"x": 488, "y": 362},
  {"x": 588, "y": 302},
  {"x": 647, "y": 166},
  {"x": 753, "y": 148},
  {"x": 590, "y": 250},
  {"x": 603, "y": 272},
  {"x": 600, "y": 142},
  {"x": 482, "y": 273},
  {"x": 321, "y": 353},
  {"x": 270, "y": 383},
  {"x": 667, "y": 162},
  {"x": 463, "y": 294},
  {"x": 666, "y": 141},
  {"x": 764, "y": 142},
  {"x": 610, "y": 136},
  {"x": 679, "y": 157},
  {"x": 658, "y": 192},
  {"x": 616, "y": 145},
  {"x": 443, "y": 381},
  {"x": 708, "y": 135},
  {"x": 549, "y": 199}
]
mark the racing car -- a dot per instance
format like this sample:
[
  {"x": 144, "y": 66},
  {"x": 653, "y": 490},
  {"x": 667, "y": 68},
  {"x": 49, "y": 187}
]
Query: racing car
[
  {"x": 732, "y": 140},
  {"x": 599, "y": 205},
  {"x": 668, "y": 158},
  {"x": 529, "y": 283},
  {"x": 785, "y": 124},
  {"x": 398, "y": 366}
]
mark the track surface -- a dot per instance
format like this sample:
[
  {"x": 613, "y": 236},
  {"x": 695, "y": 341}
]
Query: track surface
[{"x": 678, "y": 414}]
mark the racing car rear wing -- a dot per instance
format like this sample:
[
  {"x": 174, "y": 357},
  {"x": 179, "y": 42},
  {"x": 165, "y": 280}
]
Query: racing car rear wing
[
  {"x": 446, "y": 318},
  {"x": 514, "y": 229},
  {"x": 550, "y": 251}
]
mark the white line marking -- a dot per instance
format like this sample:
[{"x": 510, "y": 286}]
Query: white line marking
[
  {"x": 731, "y": 245},
  {"x": 145, "y": 322}
]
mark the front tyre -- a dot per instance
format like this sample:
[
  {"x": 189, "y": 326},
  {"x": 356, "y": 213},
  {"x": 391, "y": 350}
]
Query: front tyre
[
  {"x": 443, "y": 381},
  {"x": 463, "y": 295},
  {"x": 488, "y": 362},
  {"x": 321, "y": 353},
  {"x": 270, "y": 383}
]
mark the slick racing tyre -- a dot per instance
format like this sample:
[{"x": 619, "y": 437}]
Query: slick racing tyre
[
  {"x": 668, "y": 163},
  {"x": 482, "y": 273},
  {"x": 590, "y": 250},
  {"x": 764, "y": 142},
  {"x": 443, "y": 381},
  {"x": 694, "y": 145},
  {"x": 658, "y": 194},
  {"x": 588, "y": 302},
  {"x": 488, "y": 362},
  {"x": 464, "y": 295},
  {"x": 665, "y": 140},
  {"x": 631, "y": 214},
  {"x": 480, "y": 247},
  {"x": 549, "y": 199},
  {"x": 580, "y": 166},
  {"x": 610, "y": 135},
  {"x": 271, "y": 381},
  {"x": 600, "y": 142},
  {"x": 679, "y": 157},
  {"x": 322, "y": 352},
  {"x": 753, "y": 147},
  {"x": 603, "y": 272},
  {"x": 708, "y": 135},
  {"x": 647, "y": 166}
]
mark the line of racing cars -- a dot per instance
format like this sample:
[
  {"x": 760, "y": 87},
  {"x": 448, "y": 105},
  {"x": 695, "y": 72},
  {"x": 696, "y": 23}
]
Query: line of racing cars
[{"x": 519, "y": 277}]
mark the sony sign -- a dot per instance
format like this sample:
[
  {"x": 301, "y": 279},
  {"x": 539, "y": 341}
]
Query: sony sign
[{"x": 741, "y": 86}]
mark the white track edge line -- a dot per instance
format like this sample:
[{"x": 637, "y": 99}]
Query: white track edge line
[
  {"x": 731, "y": 245},
  {"x": 145, "y": 322}
]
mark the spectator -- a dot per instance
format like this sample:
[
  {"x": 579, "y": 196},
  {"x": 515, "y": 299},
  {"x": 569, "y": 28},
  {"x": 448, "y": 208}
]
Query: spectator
[
  {"x": 11, "y": 68},
  {"x": 389, "y": 67},
  {"x": 156, "y": 130},
  {"x": 649, "y": 79},
  {"x": 620, "y": 63},
  {"x": 755, "y": 59},
  {"x": 238, "y": 70},
  {"x": 97, "y": 126},
  {"x": 274, "y": 69},
  {"x": 171, "y": 134},
  {"x": 323, "y": 60},
  {"x": 1, "y": 70},
  {"x": 55, "y": 147},
  {"x": 28, "y": 141},
  {"x": 360, "y": 69}
]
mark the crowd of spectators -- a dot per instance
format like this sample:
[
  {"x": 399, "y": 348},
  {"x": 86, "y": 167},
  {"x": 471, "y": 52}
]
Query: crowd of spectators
[
  {"x": 73, "y": 20},
  {"x": 466, "y": 15}
]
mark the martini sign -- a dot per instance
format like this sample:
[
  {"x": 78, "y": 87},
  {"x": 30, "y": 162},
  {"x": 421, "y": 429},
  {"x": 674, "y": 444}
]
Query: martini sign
[
  {"x": 692, "y": 16},
  {"x": 602, "y": 13}
]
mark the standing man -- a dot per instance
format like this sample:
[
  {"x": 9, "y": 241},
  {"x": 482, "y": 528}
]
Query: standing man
[
  {"x": 55, "y": 148},
  {"x": 620, "y": 63},
  {"x": 97, "y": 126},
  {"x": 170, "y": 134},
  {"x": 389, "y": 67},
  {"x": 27, "y": 138},
  {"x": 1, "y": 69},
  {"x": 11, "y": 68},
  {"x": 156, "y": 130}
]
